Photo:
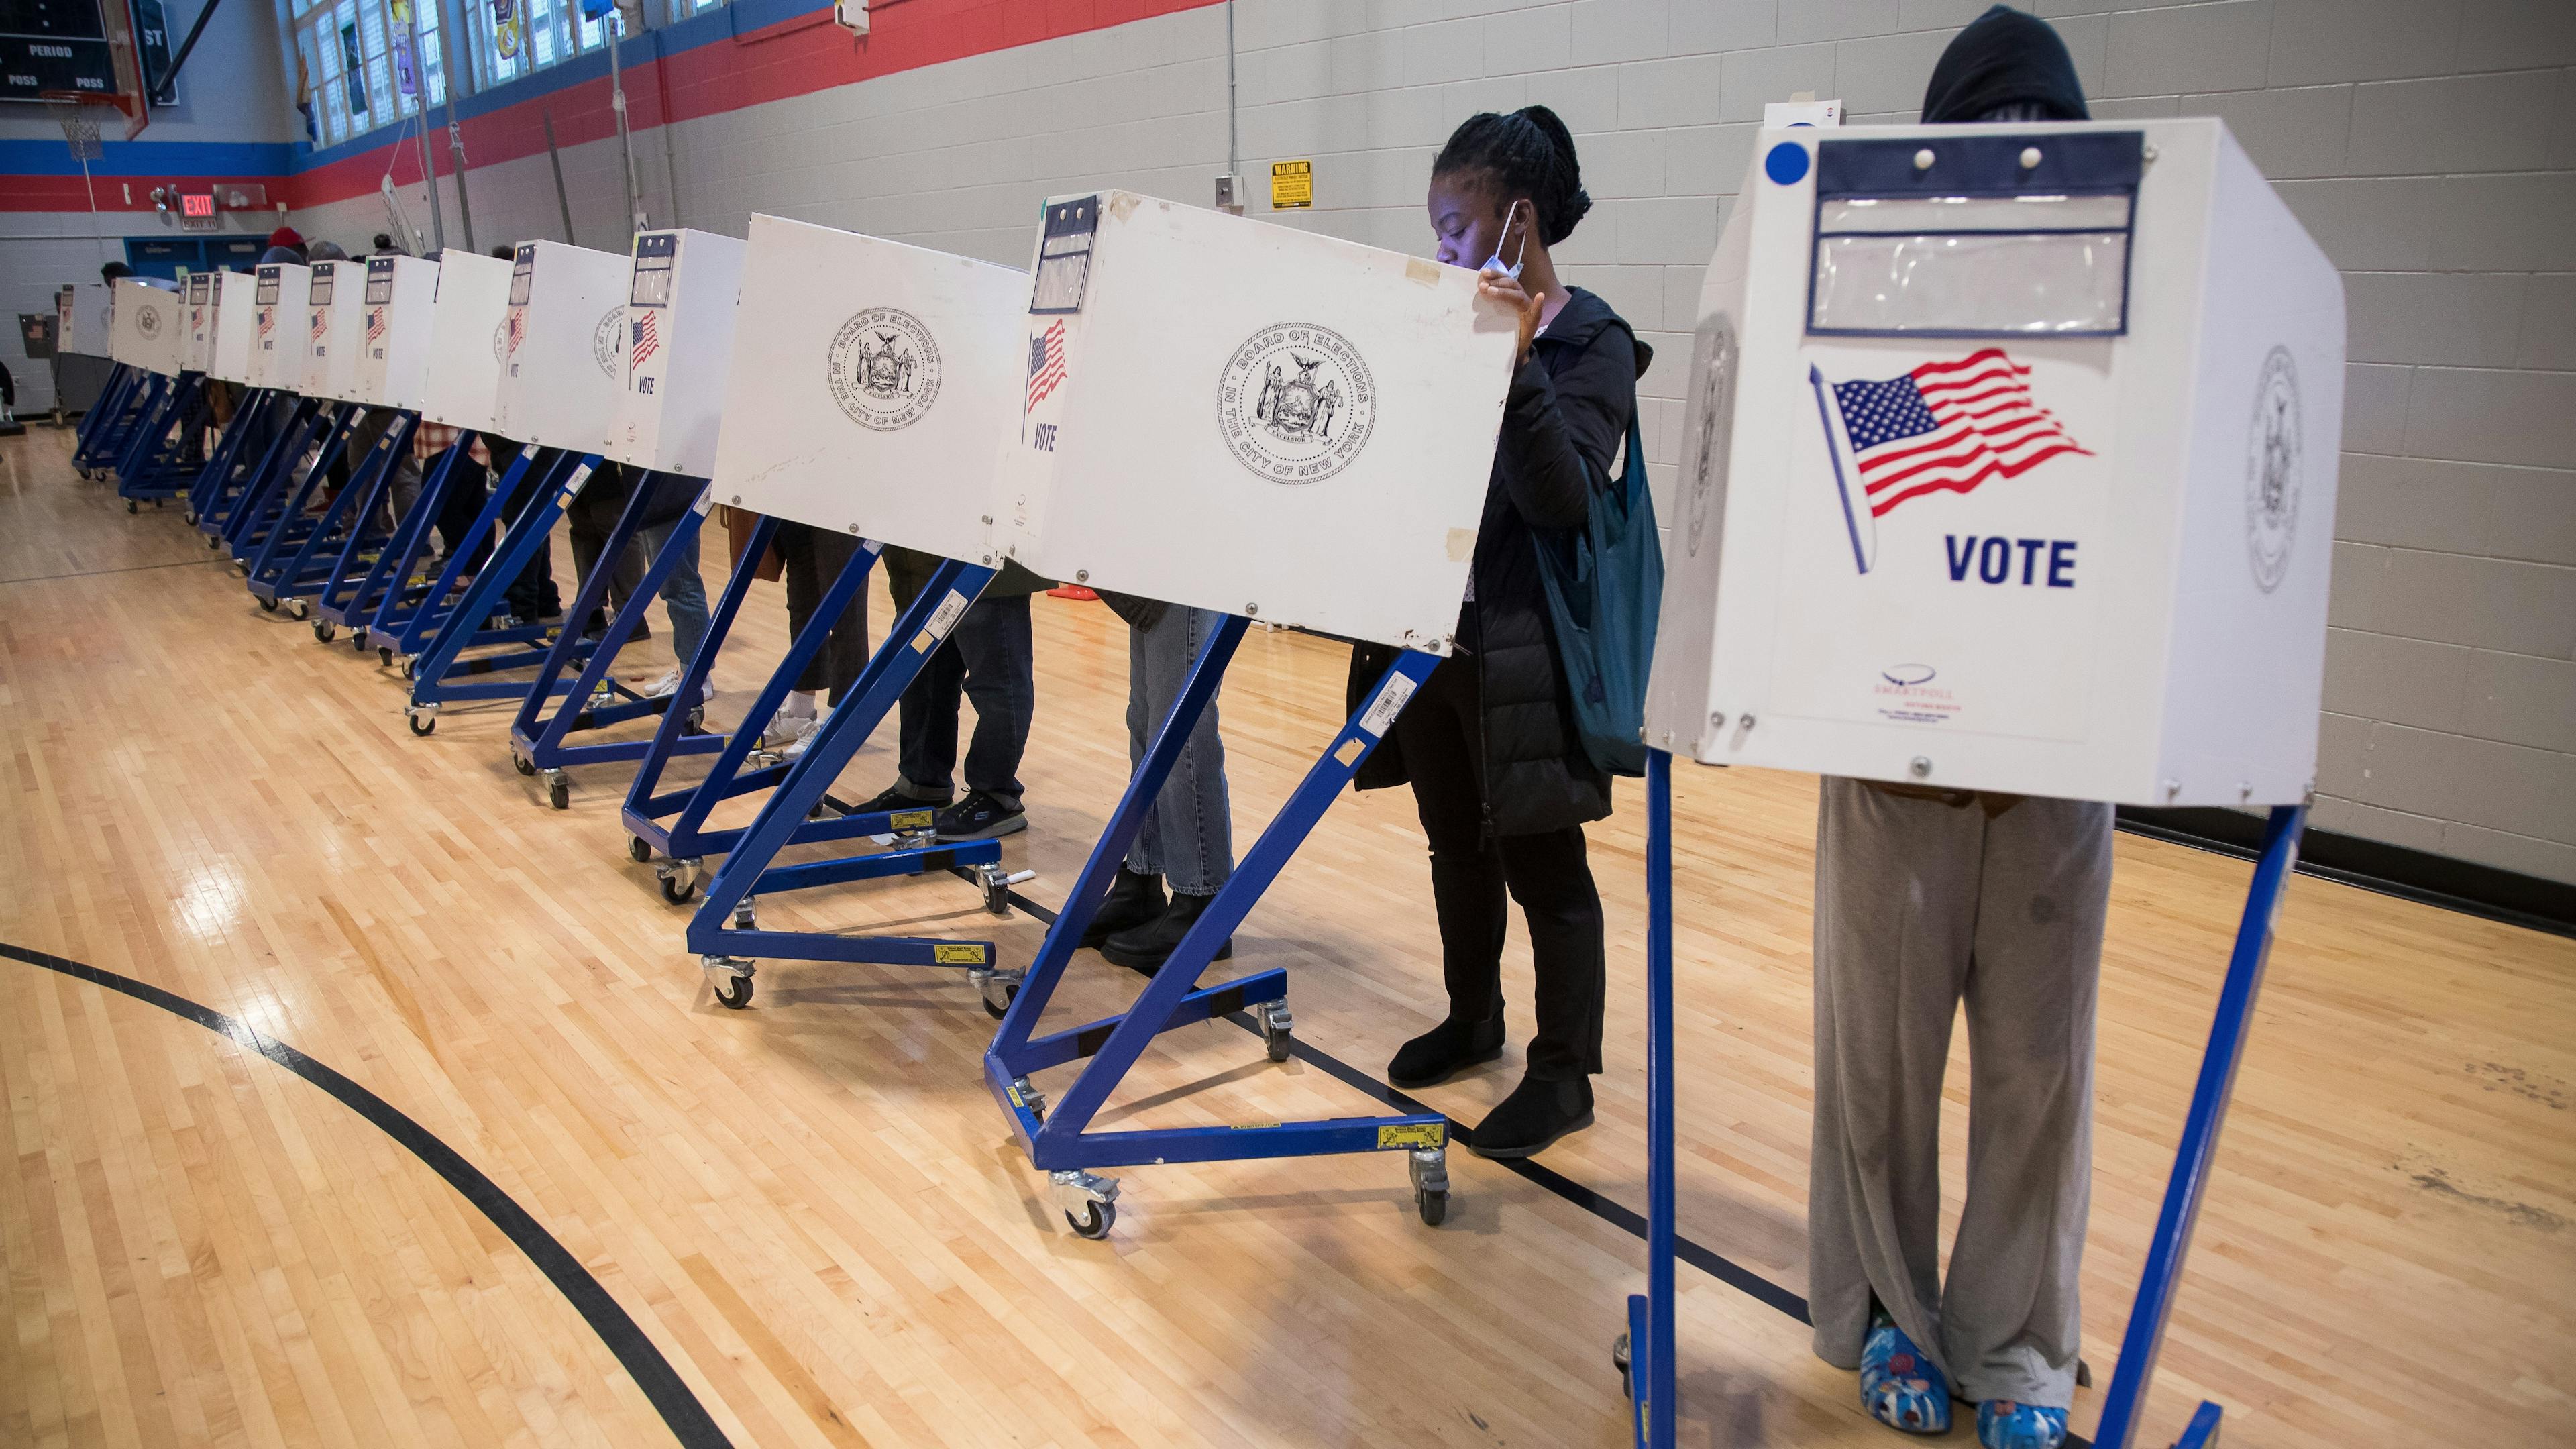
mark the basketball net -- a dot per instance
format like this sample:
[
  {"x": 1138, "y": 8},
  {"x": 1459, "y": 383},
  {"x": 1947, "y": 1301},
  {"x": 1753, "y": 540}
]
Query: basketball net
[{"x": 78, "y": 114}]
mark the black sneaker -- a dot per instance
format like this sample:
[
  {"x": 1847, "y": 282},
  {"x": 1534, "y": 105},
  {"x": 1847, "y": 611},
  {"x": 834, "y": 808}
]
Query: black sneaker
[
  {"x": 1145, "y": 948},
  {"x": 1445, "y": 1050},
  {"x": 982, "y": 815},
  {"x": 1533, "y": 1117},
  {"x": 1133, "y": 900},
  {"x": 893, "y": 801}
]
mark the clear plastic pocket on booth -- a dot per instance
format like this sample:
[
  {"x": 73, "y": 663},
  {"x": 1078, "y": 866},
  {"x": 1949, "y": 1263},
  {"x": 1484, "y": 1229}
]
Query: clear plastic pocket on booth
[
  {"x": 1983, "y": 236},
  {"x": 655, "y": 255}
]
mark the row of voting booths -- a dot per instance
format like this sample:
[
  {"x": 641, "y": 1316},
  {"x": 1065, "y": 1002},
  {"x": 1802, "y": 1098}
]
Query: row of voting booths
[{"x": 2008, "y": 465}]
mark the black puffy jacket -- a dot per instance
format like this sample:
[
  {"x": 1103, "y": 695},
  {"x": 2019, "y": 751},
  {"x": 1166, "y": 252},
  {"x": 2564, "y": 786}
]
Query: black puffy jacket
[{"x": 1562, "y": 425}]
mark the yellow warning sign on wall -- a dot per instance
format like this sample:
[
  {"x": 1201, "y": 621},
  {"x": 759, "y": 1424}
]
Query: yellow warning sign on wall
[{"x": 1292, "y": 184}]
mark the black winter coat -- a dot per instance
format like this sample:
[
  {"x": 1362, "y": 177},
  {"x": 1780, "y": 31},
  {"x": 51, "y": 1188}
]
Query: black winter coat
[{"x": 1562, "y": 425}]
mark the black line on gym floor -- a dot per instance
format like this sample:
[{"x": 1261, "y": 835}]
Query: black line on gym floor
[
  {"x": 688, "y": 1419},
  {"x": 1609, "y": 1210},
  {"x": 185, "y": 563}
]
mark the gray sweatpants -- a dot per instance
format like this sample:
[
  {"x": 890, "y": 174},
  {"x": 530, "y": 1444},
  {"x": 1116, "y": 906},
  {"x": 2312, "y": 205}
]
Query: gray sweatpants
[{"x": 1921, "y": 903}]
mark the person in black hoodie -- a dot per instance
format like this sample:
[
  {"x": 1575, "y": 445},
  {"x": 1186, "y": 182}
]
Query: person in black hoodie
[
  {"x": 1488, "y": 743},
  {"x": 1928, "y": 900}
]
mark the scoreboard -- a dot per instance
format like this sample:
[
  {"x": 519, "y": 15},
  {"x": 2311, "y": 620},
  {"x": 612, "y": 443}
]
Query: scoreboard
[{"x": 73, "y": 45}]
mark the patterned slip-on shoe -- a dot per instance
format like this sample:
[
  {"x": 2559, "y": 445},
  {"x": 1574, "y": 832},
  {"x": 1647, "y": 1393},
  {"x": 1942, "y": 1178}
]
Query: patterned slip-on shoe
[
  {"x": 1899, "y": 1387},
  {"x": 2003, "y": 1424}
]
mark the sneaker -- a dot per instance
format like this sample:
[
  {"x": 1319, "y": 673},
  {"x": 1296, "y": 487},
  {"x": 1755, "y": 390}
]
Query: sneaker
[
  {"x": 894, "y": 800},
  {"x": 2003, "y": 1424},
  {"x": 1899, "y": 1387},
  {"x": 795, "y": 749},
  {"x": 1533, "y": 1117},
  {"x": 1145, "y": 948},
  {"x": 664, "y": 685},
  {"x": 1445, "y": 1050},
  {"x": 789, "y": 732},
  {"x": 982, "y": 815},
  {"x": 1133, "y": 900}
]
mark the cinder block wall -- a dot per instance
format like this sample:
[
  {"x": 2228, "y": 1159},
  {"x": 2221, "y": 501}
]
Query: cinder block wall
[{"x": 2429, "y": 144}]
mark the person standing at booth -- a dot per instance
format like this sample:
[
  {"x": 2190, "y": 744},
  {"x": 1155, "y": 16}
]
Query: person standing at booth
[
  {"x": 1489, "y": 742},
  {"x": 990, "y": 657},
  {"x": 1926, "y": 898}
]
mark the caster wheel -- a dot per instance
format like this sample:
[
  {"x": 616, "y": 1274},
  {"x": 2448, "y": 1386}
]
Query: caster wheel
[
  {"x": 300, "y": 609},
  {"x": 384, "y": 655},
  {"x": 696, "y": 723},
  {"x": 677, "y": 891},
  {"x": 358, "y": 642},
  {"x": 189, "y": 514},
  {"x": 734, "y": 992},
  {"x": 133, "y": 507},
  {"x": 268, "y": 606},
  {"x": 559, "y": 792},
  {"x": 637, "y": 851},
  {"x": 999, "y": 1009},
  {"x": 1279, "y": 1045},
  {"x": 1278, "y": 1029},
  {"x": 520, "y": 763},
  {"x": 422, "y": 724},
  {"x": 743, "y": 919},
  {"x": 324, "y": 631},
  {"x": 411, "y": 669},
  {"x": 1433, "y": 1206},
  {"x": 1094, "y": 1221},
  {"x": 214, "y": 541}
]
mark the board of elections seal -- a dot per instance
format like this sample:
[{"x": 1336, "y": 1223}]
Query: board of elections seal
[
  {"x": 1296, "y": 403},
  {"x": 147, "y": 320},
  {"x": 883, "y": 369},
  {"x": 607, "y": 338},
  {"x": 501, "y": 338},
  {"x": 1712, "y": 437},
  {"x": 2275, "y": 452}
]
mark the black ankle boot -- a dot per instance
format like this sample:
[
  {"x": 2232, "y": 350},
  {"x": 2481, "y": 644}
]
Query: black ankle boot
[
  {"x": 1145, "y": 948},
  {"x": 1132, "y": 901},
  {"x": 1445, "y": 1050},
  {"x": 1533, "y": 1117}
]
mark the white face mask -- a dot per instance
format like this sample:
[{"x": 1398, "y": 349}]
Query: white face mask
[{"x": 1494, "y": 263}]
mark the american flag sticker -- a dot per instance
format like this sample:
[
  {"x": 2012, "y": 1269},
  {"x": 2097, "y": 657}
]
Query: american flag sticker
[
  {"x": 376, "y": 323},
  {"x": 648, "y": 338},
  {"x": 1945, "y": 427},
  {"x": 1046, "y": 363}
]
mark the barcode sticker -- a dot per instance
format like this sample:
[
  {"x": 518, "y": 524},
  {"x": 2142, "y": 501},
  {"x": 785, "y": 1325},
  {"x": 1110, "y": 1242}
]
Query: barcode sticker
[
  {"x": 945, "y": 617},
  {"x": 706, "y": 500},
  {"x": 1388, "y": 704}
]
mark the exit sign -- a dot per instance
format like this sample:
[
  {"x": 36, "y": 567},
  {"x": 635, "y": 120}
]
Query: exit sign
[{"x": 196, "y": 203}]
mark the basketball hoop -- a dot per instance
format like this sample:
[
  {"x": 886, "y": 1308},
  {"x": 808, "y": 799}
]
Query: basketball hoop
[{"x": 77, "y": 112}]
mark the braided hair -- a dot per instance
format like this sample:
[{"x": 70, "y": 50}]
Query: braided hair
[{"x": 1527, "y": 153}]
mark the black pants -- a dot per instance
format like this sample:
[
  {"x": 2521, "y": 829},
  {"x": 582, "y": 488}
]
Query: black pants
[
  {"x": 532, "y": 595},
  {"x": 1442, "y": 738},
  {"x": 814, "y": 558}
]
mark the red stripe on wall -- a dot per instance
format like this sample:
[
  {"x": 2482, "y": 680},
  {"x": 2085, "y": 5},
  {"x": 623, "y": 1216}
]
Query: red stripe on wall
[
  {"x": 793, "y": 58},
  {"x": 67, "y": 193}
]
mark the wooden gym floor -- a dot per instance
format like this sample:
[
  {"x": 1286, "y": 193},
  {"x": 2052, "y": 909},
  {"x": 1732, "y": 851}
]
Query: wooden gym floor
[{"x": 811, "y": 1213}]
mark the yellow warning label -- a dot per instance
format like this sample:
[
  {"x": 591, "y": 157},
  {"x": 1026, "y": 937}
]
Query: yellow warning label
[
  {"x": 1292, "y": 185},
  {"x": 962, "y": 953},
  {"x": 909, "y": 820},
  {"x": 1349, "y": 751},
  {"x": 1412, "y": 1134},
  {"x": 1015, "y": 1096},
  {"x": 1253, "y": 1126},
  {"x": 922, "y": 643}
]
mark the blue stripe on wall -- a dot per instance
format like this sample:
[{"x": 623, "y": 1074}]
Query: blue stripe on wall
[{"x": 150, "y": 158}]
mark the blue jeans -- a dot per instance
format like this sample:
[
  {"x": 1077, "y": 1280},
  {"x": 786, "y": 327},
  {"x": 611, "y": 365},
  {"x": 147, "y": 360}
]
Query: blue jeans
[
  {"x": 1188, "y": 834},
  {"x": 987, "y": 657},
  {"x": 684, "y": 594}
]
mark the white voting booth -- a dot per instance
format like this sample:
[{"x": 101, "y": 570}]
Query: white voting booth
[
  {"x": 467, "y": 329},
  {"x": 563, "y": 354},
  {"x": 278, "y": 326},
  {"x": 81, "y": 313},
  {"x": 393, "y": 356},
  {"x": 335, "y": 330},
  {"x": 2008, "y": 464},
  {"x": 199, "y": 309},
  {"x": 678, "y": 346},
  {"x": 149, "y": 329},
  {"x": 1234, "y": 415},
  {"x": 868, "y": 370},
  {"x": 230, "y": 314}
]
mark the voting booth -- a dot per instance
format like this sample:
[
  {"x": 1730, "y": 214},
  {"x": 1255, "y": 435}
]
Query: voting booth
[
  {"x": 469, "y": 323},
  {"x": 866, "y": 367},
  {"x": 1279, "y": 417},
  {"x": 393, "y": 357},
  {"x": 199, "y": 309},
  {"x": 230, "y": 314},
  {"x": 279, "y": 325},
  {"x": 678, "y": 345},
  {"x": 81, "y": 313},
  {"x": 867, "y": 384},
  {"x": 2008, "y": 465},
  {"x": 562, "y": 356},
  {"x": 149, "y": 329},
  {"x": 335, "y": 330}
]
